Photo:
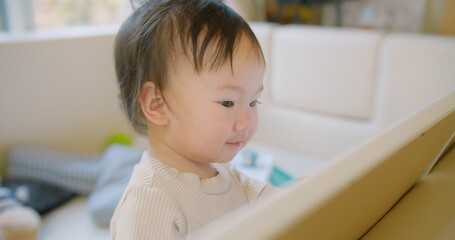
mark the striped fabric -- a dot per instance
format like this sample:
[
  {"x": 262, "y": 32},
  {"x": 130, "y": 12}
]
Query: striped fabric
[{"x": 73, "y": 172}]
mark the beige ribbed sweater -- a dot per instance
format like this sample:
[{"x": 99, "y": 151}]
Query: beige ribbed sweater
[{"x": 162, "y": 203}]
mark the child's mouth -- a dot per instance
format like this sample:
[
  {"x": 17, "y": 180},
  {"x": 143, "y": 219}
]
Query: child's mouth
[{"x": 235, "y": 144}]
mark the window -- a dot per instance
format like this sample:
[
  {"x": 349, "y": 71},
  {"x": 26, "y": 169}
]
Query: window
[
  {"x": 26, "y": 15},
  {"x": 61, "y": 13}
]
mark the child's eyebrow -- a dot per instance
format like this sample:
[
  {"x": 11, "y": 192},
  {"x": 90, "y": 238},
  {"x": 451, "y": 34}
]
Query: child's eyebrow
[{"x": 235, "y": 88}]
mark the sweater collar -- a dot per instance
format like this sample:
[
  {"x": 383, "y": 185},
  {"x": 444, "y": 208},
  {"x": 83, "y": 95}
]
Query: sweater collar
[{"x": 215, "y": 185}]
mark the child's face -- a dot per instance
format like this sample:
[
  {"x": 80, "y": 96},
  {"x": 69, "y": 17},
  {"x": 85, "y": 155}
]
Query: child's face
[{"x": 213, "y": 114}]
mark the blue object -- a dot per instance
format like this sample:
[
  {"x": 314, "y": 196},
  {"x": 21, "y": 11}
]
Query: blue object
[
  {"x": 249, "y": 158},
  {"x": 4, "y": 17},
  {"x": 118, "y": 162},
  {"x": 280, "y": 178}
]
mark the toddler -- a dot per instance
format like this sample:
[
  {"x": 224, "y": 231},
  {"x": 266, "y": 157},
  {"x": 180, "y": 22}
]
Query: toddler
[{"x": 190, "y": 75}]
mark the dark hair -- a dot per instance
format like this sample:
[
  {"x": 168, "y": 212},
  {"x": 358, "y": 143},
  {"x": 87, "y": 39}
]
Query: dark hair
[{"x": 157, "y": 32}]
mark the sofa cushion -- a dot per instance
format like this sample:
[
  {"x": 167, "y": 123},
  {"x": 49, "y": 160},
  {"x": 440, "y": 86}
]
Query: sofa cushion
[
  {"x": 325, "y": 70},
  {"x": 72, "y": 221},
  {"x": 118, "y": 162},
  {"x": 413, "y": 71},
  {"x": 319, "y": 136}
]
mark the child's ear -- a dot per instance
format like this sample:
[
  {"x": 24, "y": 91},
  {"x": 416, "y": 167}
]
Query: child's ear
[{"x": 153, "y": 105}]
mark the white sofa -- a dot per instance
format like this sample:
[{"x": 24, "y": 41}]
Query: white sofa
[{"x": 327, "y": 91}]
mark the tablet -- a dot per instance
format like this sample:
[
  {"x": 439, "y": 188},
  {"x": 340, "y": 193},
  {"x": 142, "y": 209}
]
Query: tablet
[{"x": 355, "y": 191}]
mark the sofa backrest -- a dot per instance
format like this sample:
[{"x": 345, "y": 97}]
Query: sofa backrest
[
  {"x": 325, "y": 70},
  {"x": 412, "y": 70},
  {"x": 59, "y": 92},
  {"x": 332, "y": 89}
]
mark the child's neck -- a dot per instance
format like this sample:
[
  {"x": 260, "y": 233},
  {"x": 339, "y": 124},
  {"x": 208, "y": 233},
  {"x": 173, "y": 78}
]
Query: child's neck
[{"x": 182, "y": 164}]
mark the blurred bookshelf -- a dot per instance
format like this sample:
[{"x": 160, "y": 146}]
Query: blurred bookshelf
[{"x": 417, "y": 16}]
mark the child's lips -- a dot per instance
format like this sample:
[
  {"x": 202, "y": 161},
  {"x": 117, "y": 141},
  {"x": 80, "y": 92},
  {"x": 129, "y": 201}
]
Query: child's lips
[{"x": 236, "y": 143}]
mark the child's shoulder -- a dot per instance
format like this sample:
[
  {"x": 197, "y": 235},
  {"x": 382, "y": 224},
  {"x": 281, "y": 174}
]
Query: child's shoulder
[{"x": 143, "y": 175}]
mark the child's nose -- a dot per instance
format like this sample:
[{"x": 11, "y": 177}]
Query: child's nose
[{"x": 244, "y": 120}]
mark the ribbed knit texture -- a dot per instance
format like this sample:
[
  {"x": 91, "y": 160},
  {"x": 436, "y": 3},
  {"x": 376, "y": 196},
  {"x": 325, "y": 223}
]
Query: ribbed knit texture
[{"x": 162, "y": 203}]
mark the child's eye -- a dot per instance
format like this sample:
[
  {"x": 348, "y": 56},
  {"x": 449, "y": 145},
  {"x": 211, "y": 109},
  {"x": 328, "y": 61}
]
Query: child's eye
[
  {"x": 227, "y": 104},
  {"x": 254, "y": 103}
]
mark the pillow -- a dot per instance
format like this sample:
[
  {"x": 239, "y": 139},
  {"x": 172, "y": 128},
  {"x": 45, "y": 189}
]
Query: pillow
[
  {"x": 74, "y": 172},
  {"x": 41, "y": 197},
  {"x": 117, "y": 164}
]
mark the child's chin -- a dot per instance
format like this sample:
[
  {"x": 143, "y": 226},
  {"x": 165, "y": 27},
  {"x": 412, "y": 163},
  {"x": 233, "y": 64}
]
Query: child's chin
[{"x": 227, "y": 159}]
